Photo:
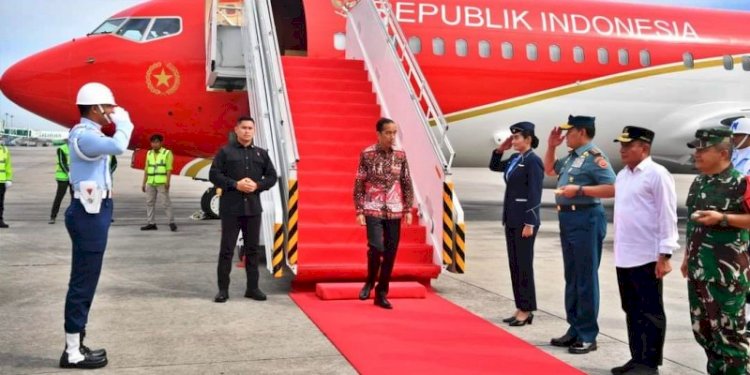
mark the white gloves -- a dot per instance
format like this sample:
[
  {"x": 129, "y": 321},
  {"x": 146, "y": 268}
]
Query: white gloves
[
  {"x": 121, "y": 118},
  {"x": 8, "y": 184}
]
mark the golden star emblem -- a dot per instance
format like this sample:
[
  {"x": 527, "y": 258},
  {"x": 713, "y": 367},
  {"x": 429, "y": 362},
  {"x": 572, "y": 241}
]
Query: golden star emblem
[{"x": 162, "y": 78}]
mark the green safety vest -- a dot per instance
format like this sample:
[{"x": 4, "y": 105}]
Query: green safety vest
[
  {"x": 6, "y": 173},
  {"x": 156, "y": 166},
  {"x": 60, "y": 173}
]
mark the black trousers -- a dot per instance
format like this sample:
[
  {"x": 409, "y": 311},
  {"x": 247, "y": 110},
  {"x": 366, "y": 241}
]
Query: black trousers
[
  {"x": 231, "y": 226},
  {"x": 641, "y": 296},
  {"x": 61, "y": 187},
  {"x": 382, "y": 242},
  {"x": 2, "y": 199},
  {"x": 521, "y": 262}
]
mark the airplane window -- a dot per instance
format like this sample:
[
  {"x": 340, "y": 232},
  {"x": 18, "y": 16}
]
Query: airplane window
[
  {"x": 645, "y": 58},
  {"x": 462, "y": 48},
  {"x": 507, "y": 49},
  {"x": 578, "y": 55},
  {"x": 688, "y": 60},
  {"x": 108, "y": 26},
  {"x": 623, "y": 56},
  {"x": 484, "y": 49},
  {"x": 603, "y": 56},
  {"x": 134, "y": 28},
  {"x": 554, "y": 53},
  {"x": 438, "y": 46},
  {"x": 531, "y": 52},
  {"x": 164, "y": 27},
  {"x": 415, "y": 44},
  {"x": 728, "y": 62},
  {"x": 746, "y": 63}
]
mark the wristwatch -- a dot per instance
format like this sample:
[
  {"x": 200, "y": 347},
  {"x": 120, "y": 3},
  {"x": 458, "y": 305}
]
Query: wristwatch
[
  {"x": 666, "y": 256},
  {"x": 724, "y": 221}
]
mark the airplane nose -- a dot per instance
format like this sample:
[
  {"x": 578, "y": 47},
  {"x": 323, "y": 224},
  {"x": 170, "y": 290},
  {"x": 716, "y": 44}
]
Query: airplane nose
[{"x": 41, "y": 84}]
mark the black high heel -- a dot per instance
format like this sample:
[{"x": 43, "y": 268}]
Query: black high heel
[
  {"x": 508, "y": 320},
  {"x": 521, "y": 323}
]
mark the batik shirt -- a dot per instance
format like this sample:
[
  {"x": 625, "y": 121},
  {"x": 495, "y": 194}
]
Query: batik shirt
[{"x": 383, "y": 187}]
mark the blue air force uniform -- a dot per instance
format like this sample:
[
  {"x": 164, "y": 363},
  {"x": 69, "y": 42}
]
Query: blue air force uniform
[{"x": 583, "y": 226}]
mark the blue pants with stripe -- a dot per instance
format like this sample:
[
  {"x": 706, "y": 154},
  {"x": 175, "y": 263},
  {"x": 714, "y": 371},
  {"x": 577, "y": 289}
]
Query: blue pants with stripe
[
  {"x": 582, "y": 234},
  {"x": 88, "y": 232}
]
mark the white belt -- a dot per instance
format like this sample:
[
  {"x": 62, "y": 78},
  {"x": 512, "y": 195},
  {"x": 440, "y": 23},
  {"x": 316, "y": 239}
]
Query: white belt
[{"x": 107, "y": 194}]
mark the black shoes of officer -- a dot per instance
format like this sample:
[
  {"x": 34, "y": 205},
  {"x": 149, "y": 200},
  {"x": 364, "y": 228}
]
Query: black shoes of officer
[
  {"x": 365, "y": 292},
  {"x": 581, "y": 347},
  {"x": 520, "y": 323},
  {"x": 84, "y": 359},
  {"x": 564, "y": 341},
  {"x": 94, "y": 353},
  {"x": 3, "y": 225},
  {"x": 221, "y": 297},
  {"x": 381, "y": 301},
  {"x": 635, "y": 368},
  {"x": 255, "y": 294},
  {"x": 172, "y": 227},
  {"x": 51, "y": 220},
  {"x": 149, "y": 227}
]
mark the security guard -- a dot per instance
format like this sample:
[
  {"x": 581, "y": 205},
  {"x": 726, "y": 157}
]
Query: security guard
[
  {"x": 716, "y": 260},
  {"x": 741, "y": 162},
  {"x": 62, "y": 178},
  {"x": 6, "y": 179},
  {"x": 584, "y": 176},
  {"x": 156, "y": 178},
  {"x": 89, "y": 215}
]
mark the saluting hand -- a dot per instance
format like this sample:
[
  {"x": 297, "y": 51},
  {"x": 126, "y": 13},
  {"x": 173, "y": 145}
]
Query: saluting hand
[
  {"x": 555, "y": 137},
  {"x": 505, "y": 146}
]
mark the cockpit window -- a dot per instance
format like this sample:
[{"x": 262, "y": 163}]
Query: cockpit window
[
  {"x": 134, "y": 28},
  {"x": 108, "y": 26},
  {"x": 164, "y": 27}
]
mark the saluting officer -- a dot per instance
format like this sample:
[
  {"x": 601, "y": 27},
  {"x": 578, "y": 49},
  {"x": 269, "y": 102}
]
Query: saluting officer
[
  {"x": 584, "y": 176},
  {"x": 89, "y": 215}
]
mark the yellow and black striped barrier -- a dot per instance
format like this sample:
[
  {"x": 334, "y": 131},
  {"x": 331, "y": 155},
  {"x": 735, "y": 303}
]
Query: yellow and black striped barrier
[
  {"x": 448, "y": 225},
  {"x": 460, "y": 253},
  {"x": 278, "y": 250},
  {"x": 292, "y": 223}
]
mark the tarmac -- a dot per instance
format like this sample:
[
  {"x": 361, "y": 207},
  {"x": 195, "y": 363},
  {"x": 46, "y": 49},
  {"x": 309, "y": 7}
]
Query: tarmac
[{"x": 154, "y": 314}]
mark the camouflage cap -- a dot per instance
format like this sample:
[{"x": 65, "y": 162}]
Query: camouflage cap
[{"x": 710, "y": 137}]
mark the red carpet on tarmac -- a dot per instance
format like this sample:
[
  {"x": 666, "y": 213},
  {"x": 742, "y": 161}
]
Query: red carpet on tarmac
[{"x": 423, "y": 336}]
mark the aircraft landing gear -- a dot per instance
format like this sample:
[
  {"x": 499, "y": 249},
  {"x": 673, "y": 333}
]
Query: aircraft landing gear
[{"x": 210, "y": 203}]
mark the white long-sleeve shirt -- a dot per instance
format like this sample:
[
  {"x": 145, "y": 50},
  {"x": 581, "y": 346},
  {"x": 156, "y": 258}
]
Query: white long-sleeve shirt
[{"x": 645, "y": 214}]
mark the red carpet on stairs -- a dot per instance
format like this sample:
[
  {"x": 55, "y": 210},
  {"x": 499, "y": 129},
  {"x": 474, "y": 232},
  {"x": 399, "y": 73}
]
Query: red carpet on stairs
[
  {"x": 424, "y": 336},
  {"x": 334, "y": 112}
]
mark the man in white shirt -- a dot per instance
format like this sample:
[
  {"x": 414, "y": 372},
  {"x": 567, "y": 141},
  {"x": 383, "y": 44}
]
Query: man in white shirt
[
  {"x": 645, "y": 237},
  {"x": 741, "y": 162}
]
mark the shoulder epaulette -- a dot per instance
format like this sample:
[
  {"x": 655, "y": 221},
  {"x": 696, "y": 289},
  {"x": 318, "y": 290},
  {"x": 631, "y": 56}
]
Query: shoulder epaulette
[{"x": 595, "y": 151}]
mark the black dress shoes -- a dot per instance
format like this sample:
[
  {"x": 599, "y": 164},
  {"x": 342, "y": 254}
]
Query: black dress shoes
[
  {"x": 88, "y": 362},
  {"x": 520, "y": 323},
  {"x": 3, "y": 225},
  {"x": 221, "y": 297},
  {"x": 381, "y": 301},
  {"x": 95, "y": 352},
  {"x": 149, "y": 227},
  {"x": 508, "y": 320},
  {"x": 365, "y": 292},
  {"x": 582, "y": 347},
  {"x": 564, "y": 341},
  {"x": 255, "y": 294},
  {"x": 635, "y": 368},
  {"x": 173, "y": 227}
]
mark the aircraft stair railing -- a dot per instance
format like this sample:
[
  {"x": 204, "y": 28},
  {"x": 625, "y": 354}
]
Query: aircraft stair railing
[
  {"x": 269, "y": 106},
  {"x": 374, "y": 35}
]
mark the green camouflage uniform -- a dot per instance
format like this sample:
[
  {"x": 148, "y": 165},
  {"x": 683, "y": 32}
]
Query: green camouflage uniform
[{"x": 718, "y": 276}]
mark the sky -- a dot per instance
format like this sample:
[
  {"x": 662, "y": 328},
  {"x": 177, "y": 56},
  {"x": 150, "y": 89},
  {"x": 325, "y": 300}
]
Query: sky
[{"x": 30, "y": 26}]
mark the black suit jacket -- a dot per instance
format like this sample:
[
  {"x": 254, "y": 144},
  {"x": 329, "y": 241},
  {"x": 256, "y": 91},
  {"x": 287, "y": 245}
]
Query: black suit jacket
[
  {"x": 523, "y": 191},
  {"x": 234, "y": 162}
]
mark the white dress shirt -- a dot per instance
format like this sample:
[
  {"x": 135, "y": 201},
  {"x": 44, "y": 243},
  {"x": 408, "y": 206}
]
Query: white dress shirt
[{"x": 645, "y": 214}]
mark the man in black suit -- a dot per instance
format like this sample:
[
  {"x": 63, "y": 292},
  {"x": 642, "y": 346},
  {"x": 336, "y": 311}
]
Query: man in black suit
[
  {"x": 242, "y": 171},
  {"x": 524, "y": 174}
]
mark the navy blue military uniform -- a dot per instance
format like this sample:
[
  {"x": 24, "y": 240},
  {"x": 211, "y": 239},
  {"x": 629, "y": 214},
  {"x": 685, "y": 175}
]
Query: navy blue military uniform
[{"x": 583, "y": 227}]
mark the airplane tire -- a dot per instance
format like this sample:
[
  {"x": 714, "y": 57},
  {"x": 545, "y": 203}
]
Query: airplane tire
[{"x": 210, "y": 203}]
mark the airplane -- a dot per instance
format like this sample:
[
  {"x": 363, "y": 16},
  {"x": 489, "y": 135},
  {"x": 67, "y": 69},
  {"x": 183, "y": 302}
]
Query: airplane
[{"x": 490, "y": 64}]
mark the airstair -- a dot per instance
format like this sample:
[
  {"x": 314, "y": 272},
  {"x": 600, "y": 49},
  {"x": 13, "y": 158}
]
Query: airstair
[{"x": 315, "y": 116}]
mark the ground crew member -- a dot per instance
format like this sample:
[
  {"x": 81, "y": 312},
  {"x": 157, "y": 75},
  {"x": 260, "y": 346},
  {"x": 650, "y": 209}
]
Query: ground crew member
[
  {"x": 716, "y": 258},
  {"x": 242, "y": 171},
  {"x": 584, "y": 176},
  {"x": 645, "y": 237},
  {"x": 741, "y": 162},
  {"x": 89, "y": 215},
  {"x": 156, "y": 178},
  {"x": 6, "y": 179},
  {"x": 383, "y": 194},
  {"x": 62, "y": 178}
]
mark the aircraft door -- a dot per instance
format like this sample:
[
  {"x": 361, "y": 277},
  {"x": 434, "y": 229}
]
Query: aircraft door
[{"x": 291, "y": 29}]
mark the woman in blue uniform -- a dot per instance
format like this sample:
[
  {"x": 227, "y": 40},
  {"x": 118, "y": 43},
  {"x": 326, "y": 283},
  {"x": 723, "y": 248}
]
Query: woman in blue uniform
[{"x": 523, "y": 176}]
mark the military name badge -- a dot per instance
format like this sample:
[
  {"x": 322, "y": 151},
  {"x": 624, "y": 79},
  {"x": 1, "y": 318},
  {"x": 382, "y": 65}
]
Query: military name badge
[
  {"x": 578, "y": 162},
  {"x": 601, "y": 162}
]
